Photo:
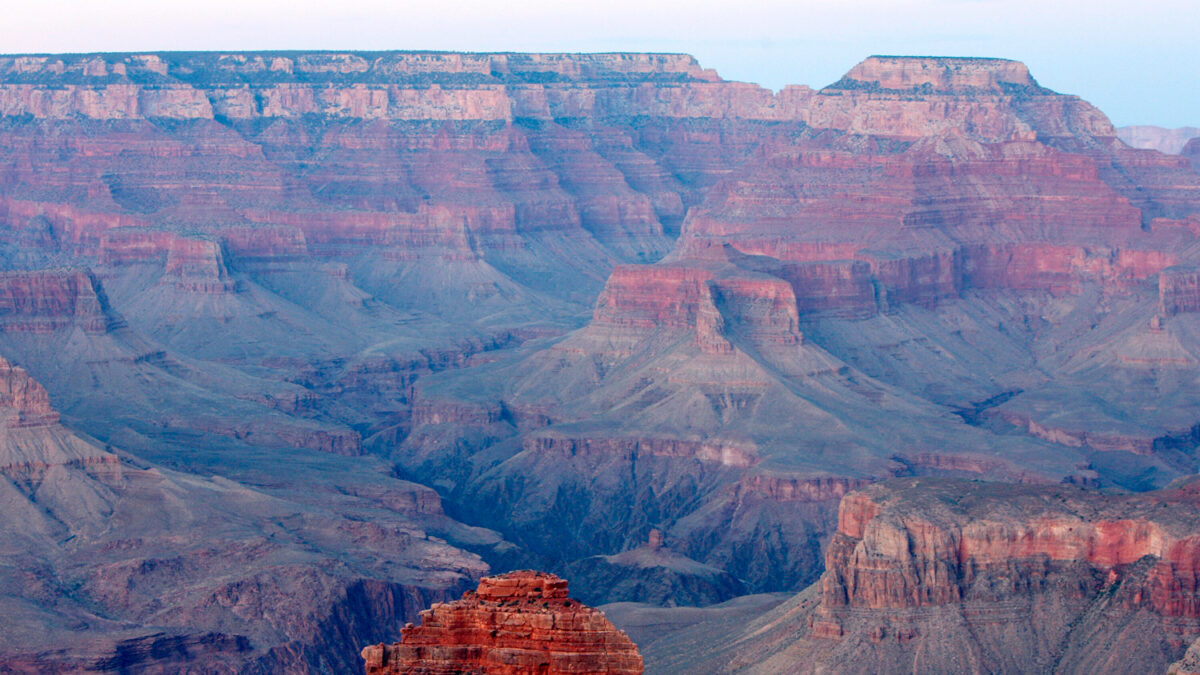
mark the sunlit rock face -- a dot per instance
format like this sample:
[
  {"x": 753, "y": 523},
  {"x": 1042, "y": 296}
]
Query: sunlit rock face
[
  {"x": 516, "y": 623},
  {"x": 1085, "y": 565}
]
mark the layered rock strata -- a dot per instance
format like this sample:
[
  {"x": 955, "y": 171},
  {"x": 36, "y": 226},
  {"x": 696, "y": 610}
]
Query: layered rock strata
[
  {"x": 947, "y": 576},
  {"x": 934, "y": 213},
  {"x": 515, "y": 623},
  {"x": 95, "y": 541},
  {"x": 678, "y": 303}
]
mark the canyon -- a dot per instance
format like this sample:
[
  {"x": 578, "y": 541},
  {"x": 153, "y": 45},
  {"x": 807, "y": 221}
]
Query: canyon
[{"x": 399, "y": 320}]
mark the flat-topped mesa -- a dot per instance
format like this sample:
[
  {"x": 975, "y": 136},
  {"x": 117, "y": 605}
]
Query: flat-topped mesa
[
  {"x": 940, "y": 74},
  {"x": 652, "y": 297},
  {"x": 524, "y": 585},
  {"x": 989, "y": 100},
  {"x": 515, "y": 623}
]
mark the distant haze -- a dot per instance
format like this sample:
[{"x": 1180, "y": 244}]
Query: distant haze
[
  {"x": 1137, "y": 61},
  {"x": 1170, "y": 141}
]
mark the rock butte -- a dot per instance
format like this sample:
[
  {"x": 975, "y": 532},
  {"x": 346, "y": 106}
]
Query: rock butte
[{"x": 515, "y": 623}]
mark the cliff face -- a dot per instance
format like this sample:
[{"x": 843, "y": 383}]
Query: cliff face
[
  {"x": 947, "y": 576},
  {"x": 880, "y": 559},
  {"x": 368, "y": 85},
  {"x": 520, "y": 622},
  {"x": 26, "y": 398},
  {"x": 49, "y": 300}
]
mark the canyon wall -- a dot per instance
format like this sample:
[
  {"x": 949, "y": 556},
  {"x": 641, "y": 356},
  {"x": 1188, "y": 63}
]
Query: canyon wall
[
  {"x": 581, "y": 299},
  {"x": 1000, "y": 578},
  {"x": 950, "y": 576}
]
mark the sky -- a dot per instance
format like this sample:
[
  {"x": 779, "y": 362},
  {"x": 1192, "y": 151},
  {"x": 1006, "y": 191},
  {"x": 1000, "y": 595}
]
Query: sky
[{"x": 1139, "y": 62}]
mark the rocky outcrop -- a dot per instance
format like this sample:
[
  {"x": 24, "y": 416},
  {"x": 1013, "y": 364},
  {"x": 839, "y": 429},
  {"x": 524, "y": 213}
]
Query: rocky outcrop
[
  {"x": 1002, "y": 578},
  {"x": 191, "y": 263},
  {"x": 912, "y": 97},
  {"x": 913, "y": 233},
  {"x": 25, "y": 397},
  {"x": 520, "y": 622},
  {"x": 121, "y": 534},
  {"x": 949, "y": 576},
  {"x": 1189, "y": 664},
  {"x": 1179, "y": 290},
  {"x": 48, "y": 300}
]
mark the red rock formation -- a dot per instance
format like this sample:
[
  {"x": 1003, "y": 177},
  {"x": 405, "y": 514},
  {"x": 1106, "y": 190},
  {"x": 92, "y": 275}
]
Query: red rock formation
[
  {"x": 47, "y": 300},
  {"x": 889, "y": 554},
  {"x": 948, "y": 576},
  {"x": 670, "y": 297},
  {"x": 791, "y": 489},
  {"x": 1179, "y": 290},
  {"x": 927, "y": 544},
  {"x": 515, "y": 623},
  {"x": 191, "y": 263},
  {"x": 24, "y": 396},
  {"x": 945, "y": 215},
  {"x": 305, "y": 236}
]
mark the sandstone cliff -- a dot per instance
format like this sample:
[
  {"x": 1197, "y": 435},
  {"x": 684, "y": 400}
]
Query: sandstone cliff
[
  {"x": 515, "y": 623},
  {"x": 940, "y": 576}
]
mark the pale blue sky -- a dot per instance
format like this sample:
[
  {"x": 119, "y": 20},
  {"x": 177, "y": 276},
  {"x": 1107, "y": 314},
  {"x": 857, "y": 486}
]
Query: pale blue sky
[{"x": 1137, "y": 61}]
